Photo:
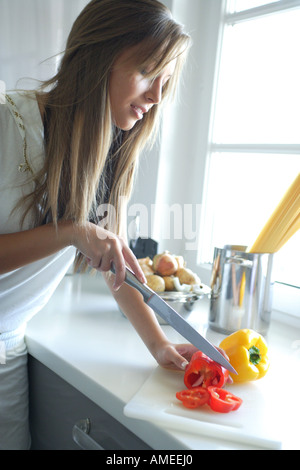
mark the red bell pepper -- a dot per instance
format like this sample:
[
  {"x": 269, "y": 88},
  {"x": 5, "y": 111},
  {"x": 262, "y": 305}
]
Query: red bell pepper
[
  {"x": 218, "y": 399},
  {"x": 193, "y": 398},
  {"x": 223, "y": 401},
  {"x": 204, "y": 372}
]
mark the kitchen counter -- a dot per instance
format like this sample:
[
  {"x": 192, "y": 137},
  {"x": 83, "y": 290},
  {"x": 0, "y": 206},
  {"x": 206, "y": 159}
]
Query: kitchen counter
[{"x": 83, "y": 337}]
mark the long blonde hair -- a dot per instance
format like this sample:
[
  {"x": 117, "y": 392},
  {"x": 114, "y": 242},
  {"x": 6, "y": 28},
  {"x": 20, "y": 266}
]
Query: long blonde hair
[{"x": 80, "y": 137}]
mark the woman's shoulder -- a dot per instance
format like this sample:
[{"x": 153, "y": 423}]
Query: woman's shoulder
[
  {"x": 11, "y": 144},
  {"x": 20, "y": 106},
  {"x": 9, "y": 123},
  {"x": 24, "y": 103},
  {"x": 25, "y": 110}
]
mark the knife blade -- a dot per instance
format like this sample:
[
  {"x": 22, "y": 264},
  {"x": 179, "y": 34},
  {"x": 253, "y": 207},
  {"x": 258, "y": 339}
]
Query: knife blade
[{"x": 170, "y": 315}]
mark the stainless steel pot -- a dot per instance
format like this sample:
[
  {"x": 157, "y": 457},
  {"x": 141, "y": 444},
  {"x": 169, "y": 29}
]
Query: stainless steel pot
[{"x": 242, "y": 290}]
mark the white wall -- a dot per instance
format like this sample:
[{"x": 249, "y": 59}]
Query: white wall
[{"x": 32, "y": 31}]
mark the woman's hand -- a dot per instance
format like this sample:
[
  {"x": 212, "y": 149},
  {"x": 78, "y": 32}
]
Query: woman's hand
[
  {"x": 102, "y": 248},
  {"x": 177, "y": 356}
]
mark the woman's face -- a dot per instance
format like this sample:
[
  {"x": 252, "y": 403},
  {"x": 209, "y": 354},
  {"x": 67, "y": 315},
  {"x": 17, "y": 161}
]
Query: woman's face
[{"x": 132, "y": 93}]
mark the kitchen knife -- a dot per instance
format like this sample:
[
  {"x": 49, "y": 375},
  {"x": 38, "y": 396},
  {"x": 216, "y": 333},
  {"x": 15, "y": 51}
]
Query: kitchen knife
[{"x": 175, "y": 320}]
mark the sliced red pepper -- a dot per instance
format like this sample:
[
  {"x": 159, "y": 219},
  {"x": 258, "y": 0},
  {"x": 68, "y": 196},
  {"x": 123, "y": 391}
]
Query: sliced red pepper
[
  {"x": 193, "y": 398},
  {"x": 223, "y": 401},
  {"x": 203, "y": 372}
]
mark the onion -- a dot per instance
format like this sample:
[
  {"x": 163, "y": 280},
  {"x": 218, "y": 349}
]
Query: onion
[{"x": 181, "y": 287}]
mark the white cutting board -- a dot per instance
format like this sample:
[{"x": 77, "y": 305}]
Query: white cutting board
[{"x": 259, "y": 421}]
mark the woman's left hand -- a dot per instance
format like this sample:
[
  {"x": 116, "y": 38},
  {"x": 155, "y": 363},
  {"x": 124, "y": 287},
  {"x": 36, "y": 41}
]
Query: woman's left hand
[{"x": 177, "y": 356}]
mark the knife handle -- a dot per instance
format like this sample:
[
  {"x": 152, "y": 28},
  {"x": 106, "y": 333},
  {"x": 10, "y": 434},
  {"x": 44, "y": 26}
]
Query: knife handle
[{"x": 132, "y": 281}]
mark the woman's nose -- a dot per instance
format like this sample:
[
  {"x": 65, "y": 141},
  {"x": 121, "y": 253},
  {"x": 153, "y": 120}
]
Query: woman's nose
[{"x": 154, "y": 92}]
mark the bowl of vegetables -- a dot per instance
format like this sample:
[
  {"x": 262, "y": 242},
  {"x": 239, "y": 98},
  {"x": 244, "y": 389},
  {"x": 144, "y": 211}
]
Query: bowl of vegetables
[{"x": 179, "y": 286}]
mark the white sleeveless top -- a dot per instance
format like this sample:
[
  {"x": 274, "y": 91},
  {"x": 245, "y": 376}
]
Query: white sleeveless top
[{"x": 24, "y": 291}]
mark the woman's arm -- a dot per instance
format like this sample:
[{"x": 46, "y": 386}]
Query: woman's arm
[
  {"x": 142, "y": 317},
  {"x": 100, "y": 246},
  {"x": 21, "y": 248}
]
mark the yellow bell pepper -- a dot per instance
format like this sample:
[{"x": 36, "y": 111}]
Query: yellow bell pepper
[{"x": 248, "y": 354}]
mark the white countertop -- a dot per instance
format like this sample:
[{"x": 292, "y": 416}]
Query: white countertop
[{"x": 82, "y": 336}]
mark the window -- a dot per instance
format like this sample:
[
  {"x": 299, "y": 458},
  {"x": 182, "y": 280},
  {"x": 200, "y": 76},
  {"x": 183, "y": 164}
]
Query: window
[
  {"x": 254, "y": 148},
  {"x": 242, "y": 5}
]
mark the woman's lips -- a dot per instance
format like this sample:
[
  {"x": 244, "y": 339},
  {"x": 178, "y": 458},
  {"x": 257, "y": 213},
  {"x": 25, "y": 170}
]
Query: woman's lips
[{"x": 139, "y": 111}]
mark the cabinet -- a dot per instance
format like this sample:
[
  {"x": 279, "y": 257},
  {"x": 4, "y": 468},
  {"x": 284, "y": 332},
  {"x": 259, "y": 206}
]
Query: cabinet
[{"x": 58, "y": 411}]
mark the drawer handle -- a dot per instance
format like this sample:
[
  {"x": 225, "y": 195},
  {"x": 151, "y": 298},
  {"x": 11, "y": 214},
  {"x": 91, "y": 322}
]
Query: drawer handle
[{"x": 80, "y": 434}]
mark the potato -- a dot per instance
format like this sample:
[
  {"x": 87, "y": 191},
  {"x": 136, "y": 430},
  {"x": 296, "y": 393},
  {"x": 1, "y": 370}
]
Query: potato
[
  {"x": 146, "y": 265},
  {"x": 147, "y": 270},
  {"x": 180, "y": 261},
  {"x": 187, "y": 276},
  {"x": 169, "y": 283},
  {"x": 156, "y": 283},
  {"x": 147, "y": 261}
]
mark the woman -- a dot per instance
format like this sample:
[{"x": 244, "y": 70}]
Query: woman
[{"x": 66, "y": 150}]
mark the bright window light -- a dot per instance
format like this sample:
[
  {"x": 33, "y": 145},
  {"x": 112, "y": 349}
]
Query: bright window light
[
  {"x": 243, "y": 191},
  {"x": 258, "y": 98},
  {"x": 255, "y": 147}
]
